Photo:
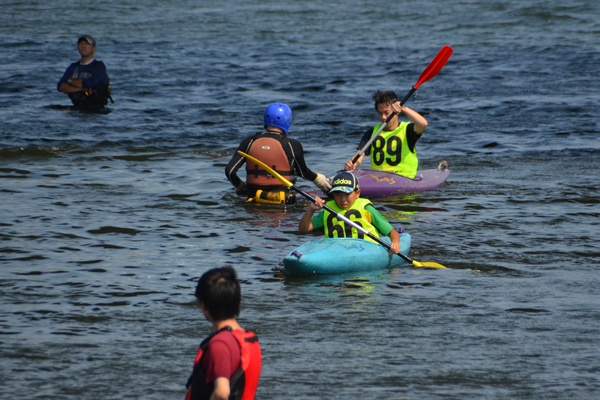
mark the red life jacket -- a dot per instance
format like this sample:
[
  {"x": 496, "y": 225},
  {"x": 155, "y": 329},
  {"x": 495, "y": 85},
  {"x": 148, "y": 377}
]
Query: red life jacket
[
  {"x": 270, "y": 151},
  {"x": 243, "y": 382}
]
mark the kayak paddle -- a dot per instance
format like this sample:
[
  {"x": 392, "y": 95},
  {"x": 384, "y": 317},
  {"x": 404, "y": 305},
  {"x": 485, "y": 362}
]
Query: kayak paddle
[
  {"x": 432, "y": 70},
  {"x": 338, "y": 215}
]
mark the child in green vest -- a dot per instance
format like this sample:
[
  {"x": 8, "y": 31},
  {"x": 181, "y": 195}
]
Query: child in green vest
[{"x": 347, "y": 201}]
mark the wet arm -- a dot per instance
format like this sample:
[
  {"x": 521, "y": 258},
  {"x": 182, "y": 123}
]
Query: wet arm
[
  {"x": 385, "y": 228},
  {"x": 221, "y": 391},
  {"x": 72, "y": 87},
  {"x": 419, "y": 121},
  {"x": 349, "y": 166},
  {"x": 395, "y": 238},
  {"x": 306, "y": 224},
  {"x": 69, "y": 87},
  {"x": 300, "y": 164},
  {"x": 236, "y": 163}
]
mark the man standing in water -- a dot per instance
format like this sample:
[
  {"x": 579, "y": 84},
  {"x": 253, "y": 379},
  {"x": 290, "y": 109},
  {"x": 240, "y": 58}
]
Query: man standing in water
[
  {"x": 273, "y": 147},
  {"x": 228, "y": 363},
  {"x": 86, "y": 81},
  {"x": 394, "y": 149}
]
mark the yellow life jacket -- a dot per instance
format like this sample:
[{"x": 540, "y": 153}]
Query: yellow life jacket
[
  {"x": 390, "y": 152},
  {"x": 272, "y": 197},
  {"x": 335, "y": 228}
]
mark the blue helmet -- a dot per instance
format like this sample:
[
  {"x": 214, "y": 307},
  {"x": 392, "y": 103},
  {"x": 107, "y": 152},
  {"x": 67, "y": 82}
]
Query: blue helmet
[{"x": 279, "y": 115}]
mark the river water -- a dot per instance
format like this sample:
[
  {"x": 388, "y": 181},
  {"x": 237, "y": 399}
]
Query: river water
[{"x": 107, "y": 220}]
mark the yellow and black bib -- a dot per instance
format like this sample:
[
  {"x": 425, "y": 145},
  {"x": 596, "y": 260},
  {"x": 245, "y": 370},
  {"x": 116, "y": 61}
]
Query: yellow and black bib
[
  {"x": 390, "y": 152},
  {"x": 335, "y": 228}
]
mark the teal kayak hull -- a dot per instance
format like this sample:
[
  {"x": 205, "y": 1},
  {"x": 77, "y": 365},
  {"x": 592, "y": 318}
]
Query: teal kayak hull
[{"x": 334, "y": 256}]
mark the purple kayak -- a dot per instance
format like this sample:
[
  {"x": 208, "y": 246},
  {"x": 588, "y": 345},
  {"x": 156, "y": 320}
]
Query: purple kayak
[{"x": 375, "y": 183}]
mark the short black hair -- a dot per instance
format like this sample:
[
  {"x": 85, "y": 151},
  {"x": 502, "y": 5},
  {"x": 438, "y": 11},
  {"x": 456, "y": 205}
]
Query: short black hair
[
  {"x": 388, "y": 97},
  {"x": 219, "y": 290}
]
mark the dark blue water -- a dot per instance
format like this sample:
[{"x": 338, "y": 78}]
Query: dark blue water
[{"x": 107, "y": 220}]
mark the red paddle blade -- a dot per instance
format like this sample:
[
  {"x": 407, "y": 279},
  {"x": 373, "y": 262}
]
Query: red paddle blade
[{"x": 435, "y": 65}]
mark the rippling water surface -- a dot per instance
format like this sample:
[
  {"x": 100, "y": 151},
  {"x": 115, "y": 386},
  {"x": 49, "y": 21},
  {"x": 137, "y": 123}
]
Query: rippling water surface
[{"x": 107, "y": 220}]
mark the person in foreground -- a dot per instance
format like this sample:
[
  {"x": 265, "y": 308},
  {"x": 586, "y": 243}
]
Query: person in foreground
[
  {"x": 395, "y": 148},
  {"x": 86, "y": 81},
  {"x": 228, "y": 363},
  {"x": 347, "y": 201},
  {"x": 274, "y": 148}
]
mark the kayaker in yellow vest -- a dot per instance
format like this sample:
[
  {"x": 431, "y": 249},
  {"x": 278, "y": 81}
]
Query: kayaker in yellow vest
[
  {"x": 347, "y": 201},
  {"x": 395, "y": 148}
]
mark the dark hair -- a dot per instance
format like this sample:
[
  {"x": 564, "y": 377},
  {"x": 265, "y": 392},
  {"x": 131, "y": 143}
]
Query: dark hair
[
  {"x": 388, "y": 97},
  {"x": 219, "y": 290}
]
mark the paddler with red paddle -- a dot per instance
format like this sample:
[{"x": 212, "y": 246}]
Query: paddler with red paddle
[
  {"x": 392, "y": 144},
  {"x": 394, "y": 149}
]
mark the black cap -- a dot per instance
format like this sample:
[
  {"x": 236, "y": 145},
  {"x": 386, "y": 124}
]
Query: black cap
[{"x": 88, "y": 39}]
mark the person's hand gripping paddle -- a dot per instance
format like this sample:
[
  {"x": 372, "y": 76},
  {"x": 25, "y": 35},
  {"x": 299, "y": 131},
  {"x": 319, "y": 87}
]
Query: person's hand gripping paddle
[
  {"x": 432, "y": 70},
  {"x": 338, "y": 215}
]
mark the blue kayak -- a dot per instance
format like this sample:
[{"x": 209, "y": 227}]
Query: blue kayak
[{"x": 333, "y": 256}]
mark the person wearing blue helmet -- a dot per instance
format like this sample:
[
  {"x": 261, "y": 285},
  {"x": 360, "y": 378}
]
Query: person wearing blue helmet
[{"x": 273, "y": 147}]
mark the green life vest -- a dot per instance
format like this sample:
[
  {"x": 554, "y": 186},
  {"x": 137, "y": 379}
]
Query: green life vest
[
  {"x": 390, "y": 152},
  {"x": 335, "y": 228}
]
